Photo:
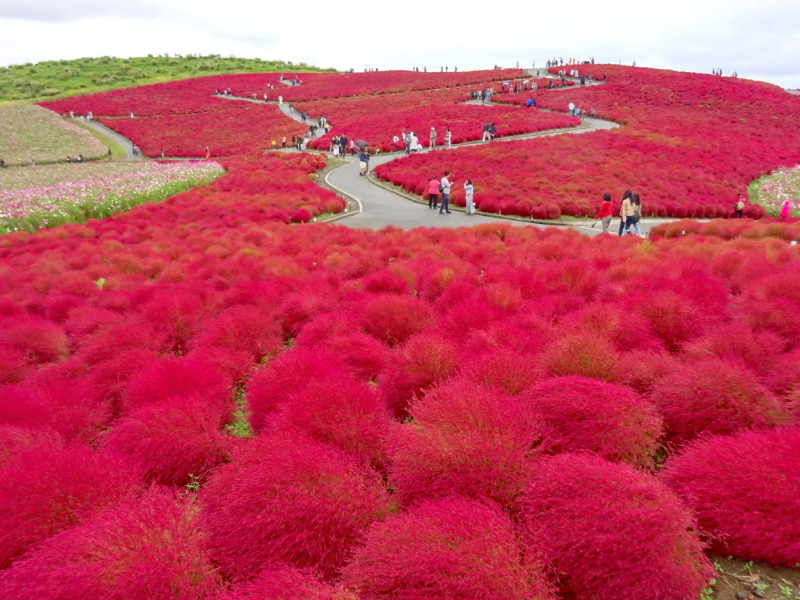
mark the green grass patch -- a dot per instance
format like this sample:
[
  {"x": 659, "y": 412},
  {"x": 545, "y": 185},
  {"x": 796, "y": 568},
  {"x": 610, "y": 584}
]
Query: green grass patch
[
  {"x": 117, "y": 151},
  {"x": 240, "y": 425},
  {"x": 30, "y": 132},
  {"x": 64, "y": 78}
]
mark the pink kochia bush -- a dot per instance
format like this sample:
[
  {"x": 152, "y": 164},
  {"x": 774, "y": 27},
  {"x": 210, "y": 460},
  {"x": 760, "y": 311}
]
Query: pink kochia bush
[
  {"x": 393, "y": 319},
  {"x": 288, "y": 498},
  {"x": 608, "y": 419},
  {"x": 285, "y": 376},
  {"x": 141, "y": 549},
  {"x": 171, "y": 441},
  {"x": 451, "y": 548},
  {"x": 745, "y": 491},
  {"x": 585, "y": 353},
  {"x": 713, "y": 395},
  {"x": 422, "y": 361},
  {"x": 611, "y": 532},
  {"x": 466, "y": 439},
  {"x": 336, "y": 409},
  {"x": 67, "y": 406},
  {"x": 179, "y": 377},
  {"x": 46, "y": 488},
  {"x": 281, "y": 582}
]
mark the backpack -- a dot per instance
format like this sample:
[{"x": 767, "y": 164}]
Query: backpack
[
  {"x": 637, "y": 208},
  {"x": 441, "y": 188}
]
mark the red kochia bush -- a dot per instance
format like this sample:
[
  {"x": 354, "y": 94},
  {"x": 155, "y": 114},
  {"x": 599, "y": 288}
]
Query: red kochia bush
[
  {"x": 171, "y": 441},
  {"x": 583, "y": 353},
  {"x": 452, "y": 548},
  {"x": 509, "y": 370},
  {"x": 15, "y": 439},
  {"x": 179, "y": 377},
  {"x": 422, "y": 361},
  {"x": 283, "y": 377},
  {"x": 608, "y": 419},
  {"x": 13, "y": 364},
  {"x": 251, "y": 329},
  {"x": 713, "y": 396},
  {"x": 140, "y": 549},
  {"x": 281, "y": 582},
  {"x": 49, "y": 487},
  {"x": 67, "y": 406},
  {"x": 288, "y": 498},
  {"x": 336, "y": 409},
  {"x": 611, "y": 532},
  {"x": 745, "y": 491},
  {"x": 393, "y": 319},
  {"x": 464, "y": 439},
  {"x": 42, "y": 340}
]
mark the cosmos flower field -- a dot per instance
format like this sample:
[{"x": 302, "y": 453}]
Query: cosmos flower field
[{"x": 211, "y": 397}]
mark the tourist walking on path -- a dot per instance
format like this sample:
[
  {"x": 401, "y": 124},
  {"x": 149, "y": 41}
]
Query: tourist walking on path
[
  {"x": 605, "y": 212},
  {"x": 626, "y": 212},
  {"x": 433, "y": 193},
  {"x": 786, "y": 209},
  {"x": 637, "y": 214},
  {"x": 444, "y": 186},
  {"x": 363, "y": 161},
  {"x": 448, "y": 138},
  {"x": 469, "y": 195},
  {"x": 433, "y": 138}
]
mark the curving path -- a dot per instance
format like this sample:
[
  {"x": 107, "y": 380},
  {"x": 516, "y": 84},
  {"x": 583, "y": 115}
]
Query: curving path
[
  {"x": 381, "y": 205},
  {"x": 126, "y": 144}
]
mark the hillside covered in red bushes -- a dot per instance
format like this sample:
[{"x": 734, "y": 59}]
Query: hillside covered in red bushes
[{"x": 211, "y": 397}]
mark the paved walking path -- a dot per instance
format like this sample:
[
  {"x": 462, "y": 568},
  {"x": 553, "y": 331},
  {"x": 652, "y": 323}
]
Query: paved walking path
[
  {"x": 381, "y": 207},
  {"x": 126, "y": 144}
]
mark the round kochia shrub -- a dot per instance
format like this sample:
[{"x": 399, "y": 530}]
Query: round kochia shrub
[
  {"x": 46, "y": 488},
  {"x": 179, "y": 377},
  {"x": 281, "y": 582},
  {"x": 393, "y": 319},
  {"x": 466, "y": 439},
  {"x": 284, "y": 377},
  {"x": 451, "y": 548},
  {"x": 289, "y": 499},
  {"x": 503, "y": 368},
  {"x": 611, "y": 532},
  {"x": 713, "y": 395},
  {"x": 336, "y": 409},
  {"x": 172, "y": 441},
  {"x": 585, "y": 353},
  {"x": 608, "y": 419},
  {"x": 140, "y": 549},
  {"x": 421, "y": 362},
  {"x": 745, "y": 491}
]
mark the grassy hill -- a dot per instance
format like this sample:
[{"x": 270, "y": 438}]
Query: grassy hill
[{"x": 62, "y": 78}]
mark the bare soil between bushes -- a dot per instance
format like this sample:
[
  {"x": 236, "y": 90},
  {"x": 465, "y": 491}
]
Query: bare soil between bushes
[{"x": 748, "y": 580}]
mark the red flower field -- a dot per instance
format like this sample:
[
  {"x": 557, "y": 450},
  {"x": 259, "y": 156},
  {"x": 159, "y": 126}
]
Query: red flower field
[
  {"x": 211, "y": 397},
  {"x": 681, "y": 148}
]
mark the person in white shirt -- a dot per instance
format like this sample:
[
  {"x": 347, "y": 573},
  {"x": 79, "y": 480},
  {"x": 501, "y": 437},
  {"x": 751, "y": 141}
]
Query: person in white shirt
[{"x": 445, "y": 186}]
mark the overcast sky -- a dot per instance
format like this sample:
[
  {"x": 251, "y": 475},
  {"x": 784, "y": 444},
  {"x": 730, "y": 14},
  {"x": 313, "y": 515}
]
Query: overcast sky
[{"x": 759, "y": 40}]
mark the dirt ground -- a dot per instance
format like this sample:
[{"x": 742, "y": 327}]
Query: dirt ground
[{"x": 741, "y": 580}]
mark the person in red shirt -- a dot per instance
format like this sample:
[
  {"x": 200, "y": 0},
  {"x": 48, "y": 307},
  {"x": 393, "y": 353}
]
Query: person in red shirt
[
  {"x": 433, "y": 193},
  {"x": 605, "y": 212}
]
